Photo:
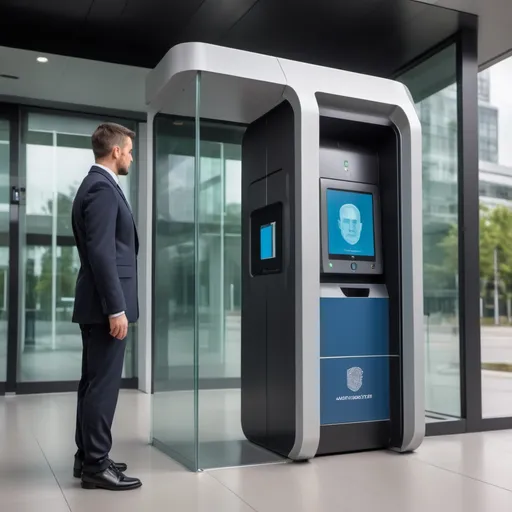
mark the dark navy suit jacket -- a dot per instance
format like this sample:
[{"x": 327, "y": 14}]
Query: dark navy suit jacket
[{"x": 107, "y": 242}]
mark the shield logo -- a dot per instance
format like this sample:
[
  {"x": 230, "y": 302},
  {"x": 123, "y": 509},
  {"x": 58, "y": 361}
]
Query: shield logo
[{"x": 354, "y": 378}]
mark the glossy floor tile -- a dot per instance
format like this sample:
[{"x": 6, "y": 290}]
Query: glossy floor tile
[{"x": 469, "y": 473}]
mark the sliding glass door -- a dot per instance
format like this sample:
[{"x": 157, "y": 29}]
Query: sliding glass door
[
  {"x": 5, "y": 166},
  {"x": 44, "y": 155}
]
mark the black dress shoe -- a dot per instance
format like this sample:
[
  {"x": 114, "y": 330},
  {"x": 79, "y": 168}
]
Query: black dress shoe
[
  {"x": 110, "y": 479},
  {"x": 77, "y": 467}
]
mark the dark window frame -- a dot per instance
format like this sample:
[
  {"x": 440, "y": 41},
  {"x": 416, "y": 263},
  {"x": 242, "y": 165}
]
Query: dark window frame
[
  {"x": 17, "y": 114},
  {"x": 469, "y": 264}
]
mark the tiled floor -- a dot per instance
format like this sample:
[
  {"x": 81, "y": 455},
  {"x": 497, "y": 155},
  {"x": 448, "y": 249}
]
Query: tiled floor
[{"x": 471, "y": 473}]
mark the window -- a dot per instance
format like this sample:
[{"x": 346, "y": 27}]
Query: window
[
  {"x": 484, "y": 89},
  {"x": 488, "y": 133},
  {"x": 495, "y": 132},
  {"x": 58, "y": 156},
  {"x": 4, "y": 241},
  {"x": 437, "y": 110}
]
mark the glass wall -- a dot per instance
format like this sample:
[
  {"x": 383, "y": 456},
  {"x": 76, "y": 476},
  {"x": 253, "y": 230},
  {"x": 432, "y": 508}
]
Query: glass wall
[
  {"x": 174, "y": 426},
  {"x": 495, "y": 182},
  {"x": 4, "y": 242},
  {"x": 221, "y": 440},
  {"x": 197, "y": 294},
  {"x": 58, "y": 156},
  {"x": 434, "y": 89}
]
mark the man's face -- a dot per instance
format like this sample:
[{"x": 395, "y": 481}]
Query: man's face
[
  {"x": 124, "y": 157},
  {"x": 350, "y": 223}
]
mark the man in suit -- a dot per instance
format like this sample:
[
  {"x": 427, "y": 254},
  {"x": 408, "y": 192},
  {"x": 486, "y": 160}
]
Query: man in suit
[{"x": 105, "y": 303}]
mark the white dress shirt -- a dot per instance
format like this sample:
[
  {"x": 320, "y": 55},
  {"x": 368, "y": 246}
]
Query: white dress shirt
[
  {"x": 112, "y": 173},
  {"x": 116, "y": 179}
]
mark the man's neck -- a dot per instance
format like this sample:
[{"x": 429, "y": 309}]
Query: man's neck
[
  {"x": 108, "y": 165},
  {"x": 114, "y": 175}
]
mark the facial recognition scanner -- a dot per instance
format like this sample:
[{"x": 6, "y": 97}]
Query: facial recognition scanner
[
  {"x": 360, "y": 296},
  {"x": 332, "y": 297},
  {"x": 360, "y": 299}
]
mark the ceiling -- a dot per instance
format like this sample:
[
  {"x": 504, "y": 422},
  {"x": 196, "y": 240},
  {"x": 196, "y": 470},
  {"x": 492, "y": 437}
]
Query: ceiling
[
  {"x": 70, "y": 80},
  {"x": 494, "y": 18},
  {"x": 100, "y": 51},
  {"x": 370, "y": 36}
]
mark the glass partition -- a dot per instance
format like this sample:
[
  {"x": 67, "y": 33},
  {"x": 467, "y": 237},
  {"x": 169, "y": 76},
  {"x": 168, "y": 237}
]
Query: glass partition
[
  {"x": 433, "y": 87},
  {"x": 221, "y": 441},
  {"x": 197, "y": 293},
  {"x": 4, "y": 241},
  {"x": 495, "y": 184},
  {"x": 175, "y": 234}
]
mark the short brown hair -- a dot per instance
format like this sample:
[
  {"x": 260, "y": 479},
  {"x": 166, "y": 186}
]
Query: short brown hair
[{"x": 108, "y": 135}]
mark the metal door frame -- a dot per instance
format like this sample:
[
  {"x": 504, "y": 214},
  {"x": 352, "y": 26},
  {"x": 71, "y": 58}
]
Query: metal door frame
[
  {"x": 16, "y": 115},
  {"x": 12, "y": 115}
]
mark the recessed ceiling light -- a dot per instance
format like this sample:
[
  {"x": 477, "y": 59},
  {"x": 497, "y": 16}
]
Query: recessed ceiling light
[{"x": 43, "y": 60}]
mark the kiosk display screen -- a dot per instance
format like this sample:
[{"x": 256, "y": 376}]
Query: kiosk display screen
[
  {"x": 266, "y": 244},
  {"x": 268, "y": 241},
  {"x": 350, "y": 225}
]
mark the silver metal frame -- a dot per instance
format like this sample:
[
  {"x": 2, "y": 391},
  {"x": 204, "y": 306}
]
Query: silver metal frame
[{"x": 240, "y": 86}]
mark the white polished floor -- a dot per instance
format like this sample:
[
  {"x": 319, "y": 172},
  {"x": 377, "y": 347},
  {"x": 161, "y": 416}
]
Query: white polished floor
[{"x": 470, "y": 473}]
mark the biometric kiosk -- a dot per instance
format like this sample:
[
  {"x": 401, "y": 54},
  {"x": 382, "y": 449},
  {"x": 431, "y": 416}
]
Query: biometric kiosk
[{"x": 332, "y": 298}]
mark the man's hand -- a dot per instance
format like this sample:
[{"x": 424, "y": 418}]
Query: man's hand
[{"x": 119, "y": 326}]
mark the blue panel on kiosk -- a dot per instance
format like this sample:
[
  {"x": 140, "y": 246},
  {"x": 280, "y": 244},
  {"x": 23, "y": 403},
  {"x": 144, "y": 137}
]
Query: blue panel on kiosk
[
  {"x": 354, "y": 327},
  {"x": 354, "y": 390}
]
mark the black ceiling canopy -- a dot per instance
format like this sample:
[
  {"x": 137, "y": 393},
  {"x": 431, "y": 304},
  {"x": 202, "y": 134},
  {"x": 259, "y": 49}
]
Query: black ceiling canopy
[{"x": 370, "y": 36}]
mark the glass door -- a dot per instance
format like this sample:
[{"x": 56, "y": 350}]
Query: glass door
[
  {"x": 57, "y": 155},
  {"x": 5, "y": 146},
  {"x": 11, "y": 199},
  {"x": 44, "y": 155}
]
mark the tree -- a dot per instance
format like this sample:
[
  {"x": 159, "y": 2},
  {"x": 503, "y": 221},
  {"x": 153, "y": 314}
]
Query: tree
[
  {"x": 441, "y": 254},
  {"x": 67, "y": 275},
  {"x": 488, "y": 240},
  {"x": 440, "y": 258},
  {"x": 496, "y": 235}
]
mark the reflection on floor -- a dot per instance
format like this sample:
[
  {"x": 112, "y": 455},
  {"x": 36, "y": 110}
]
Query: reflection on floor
[
  {"x": 470, "y": 473},
  {"x": 222, "y": 442}
]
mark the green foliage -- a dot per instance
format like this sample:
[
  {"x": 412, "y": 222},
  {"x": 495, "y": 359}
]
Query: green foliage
[
  {"x": 495, "y": 233},
  {"x": 440, "y": 259},
  {"x": 66, "y": 276},
  {"x": 488, "y": 235}
]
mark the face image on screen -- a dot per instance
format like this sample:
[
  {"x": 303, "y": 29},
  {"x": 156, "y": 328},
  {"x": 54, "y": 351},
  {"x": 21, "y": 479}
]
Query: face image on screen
[
  {"x": 350, "y": 224},
  {"x": 267, "y": 241}
]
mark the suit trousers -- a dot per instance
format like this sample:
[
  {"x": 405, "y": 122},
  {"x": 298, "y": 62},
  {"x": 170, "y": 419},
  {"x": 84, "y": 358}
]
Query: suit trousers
[{"x": 98, "y": 392}]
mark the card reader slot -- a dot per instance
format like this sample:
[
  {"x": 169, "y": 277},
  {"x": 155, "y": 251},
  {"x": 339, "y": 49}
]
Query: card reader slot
[{"x": 355, "y": 292}]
